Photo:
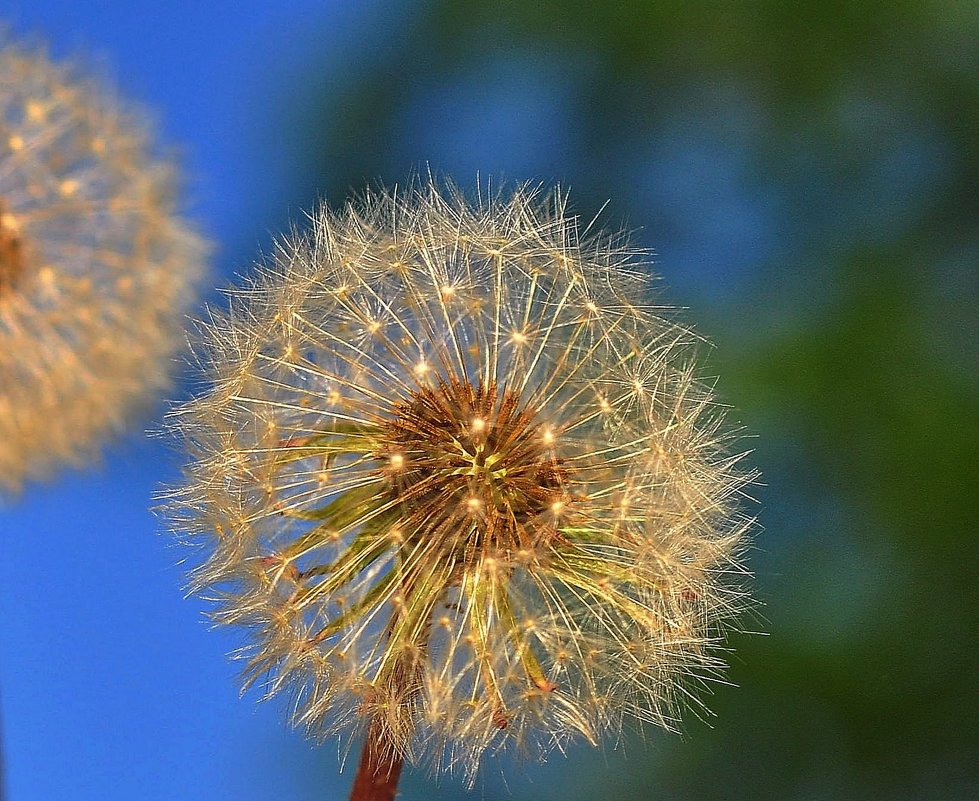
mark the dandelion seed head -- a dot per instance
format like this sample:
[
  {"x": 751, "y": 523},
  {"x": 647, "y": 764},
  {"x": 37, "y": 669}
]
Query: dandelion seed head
[
  {"x": 96, "y": 269},
  {"x": 476, "y": 540}
]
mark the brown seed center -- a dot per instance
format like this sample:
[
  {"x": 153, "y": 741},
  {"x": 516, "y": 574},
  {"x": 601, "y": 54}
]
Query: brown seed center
[
  {"x": 11, "y": 252},
  {"x": 471, "y": 467}
]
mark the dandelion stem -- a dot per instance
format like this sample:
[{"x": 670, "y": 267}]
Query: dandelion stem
[{"x": 379, "y": 768}]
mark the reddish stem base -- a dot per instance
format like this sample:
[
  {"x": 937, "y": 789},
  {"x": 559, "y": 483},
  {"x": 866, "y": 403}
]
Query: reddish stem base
[{"x": 378, "y": 772}]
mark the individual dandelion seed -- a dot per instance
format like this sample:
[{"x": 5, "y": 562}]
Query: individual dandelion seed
[
  {"x": 96, "y": 268},
  {"x": 459, "y": 479}
]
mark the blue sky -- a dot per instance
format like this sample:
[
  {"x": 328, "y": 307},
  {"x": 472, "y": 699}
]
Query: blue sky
[{"x": 112, "y": 685}]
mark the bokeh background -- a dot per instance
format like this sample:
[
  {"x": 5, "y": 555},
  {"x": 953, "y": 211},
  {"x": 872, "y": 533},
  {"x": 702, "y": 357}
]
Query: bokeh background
[{"x": 808, "y": 174}]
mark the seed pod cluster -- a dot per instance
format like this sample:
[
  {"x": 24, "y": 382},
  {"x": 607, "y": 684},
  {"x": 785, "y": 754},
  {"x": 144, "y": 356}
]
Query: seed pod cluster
[
  {"x": 97, "y": 270},
  {"x": 459, "y": 481}
]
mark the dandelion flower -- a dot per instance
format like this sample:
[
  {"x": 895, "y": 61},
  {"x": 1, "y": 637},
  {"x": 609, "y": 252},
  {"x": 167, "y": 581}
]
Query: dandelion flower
[
  {"x": 96, "y": 270},
  {"x": 460, "y": 482}
]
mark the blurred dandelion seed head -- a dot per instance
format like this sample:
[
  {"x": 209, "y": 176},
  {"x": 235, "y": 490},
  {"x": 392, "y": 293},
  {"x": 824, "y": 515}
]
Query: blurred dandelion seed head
[
  {"x": 96, "y": 269},
  {"x": 460, "y": 479}
]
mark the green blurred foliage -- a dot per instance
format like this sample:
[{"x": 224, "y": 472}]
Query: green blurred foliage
[{"x": 850, "y": 351}]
